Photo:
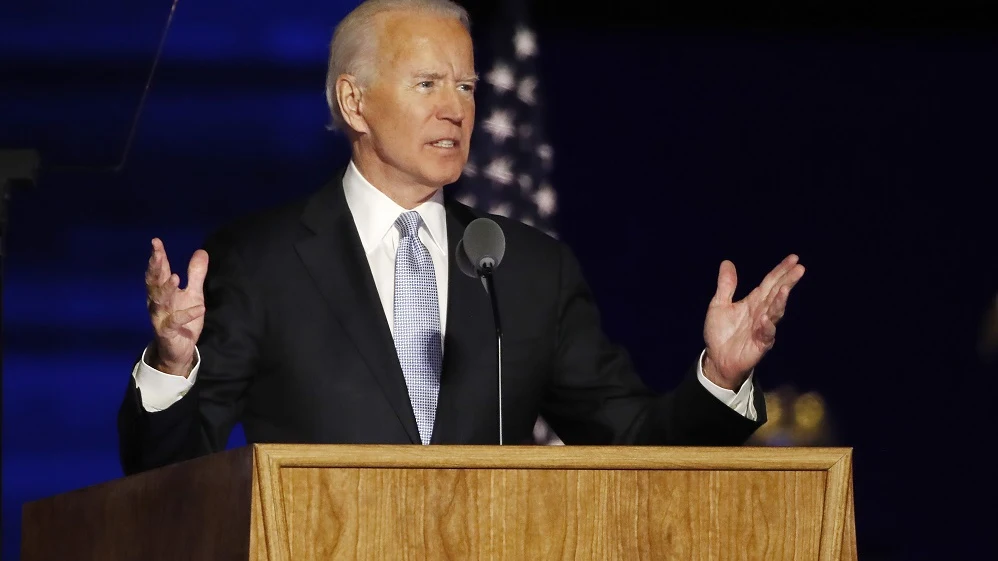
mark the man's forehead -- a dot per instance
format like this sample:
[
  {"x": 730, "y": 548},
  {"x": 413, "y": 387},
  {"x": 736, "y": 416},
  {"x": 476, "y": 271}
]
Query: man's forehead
[
  {"x": 396, "y": 23},
  {"x": 404, "y": 31},
  {"x": 426, "y": 47}
]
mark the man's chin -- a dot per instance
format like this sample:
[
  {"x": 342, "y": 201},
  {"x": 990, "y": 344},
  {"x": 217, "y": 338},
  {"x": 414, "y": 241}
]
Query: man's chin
[{"x": 445, "y": 177}]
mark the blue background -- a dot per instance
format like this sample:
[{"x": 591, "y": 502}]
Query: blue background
[{"x": 863, "y": 140}]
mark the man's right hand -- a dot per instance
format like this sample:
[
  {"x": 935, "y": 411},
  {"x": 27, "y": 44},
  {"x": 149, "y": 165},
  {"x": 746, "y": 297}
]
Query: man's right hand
[{"x": 177, "y": 315}]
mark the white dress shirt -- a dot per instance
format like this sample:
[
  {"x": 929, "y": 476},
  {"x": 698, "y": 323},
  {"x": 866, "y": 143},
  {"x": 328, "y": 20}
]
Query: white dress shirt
[{"x": 374, "y": 215}]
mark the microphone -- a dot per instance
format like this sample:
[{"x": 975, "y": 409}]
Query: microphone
[
  {"x": 478, "y": 255},
  {"x": 484, "y": 244}
]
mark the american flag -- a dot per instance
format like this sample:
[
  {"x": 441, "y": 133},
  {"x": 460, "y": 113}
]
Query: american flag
[{"x": 508, "y": 170}]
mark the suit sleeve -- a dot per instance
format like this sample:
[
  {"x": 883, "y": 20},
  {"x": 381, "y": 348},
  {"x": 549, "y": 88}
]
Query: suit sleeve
[
  {"x": 200, "y": 422},
  {"x": 596, "y": 397}
]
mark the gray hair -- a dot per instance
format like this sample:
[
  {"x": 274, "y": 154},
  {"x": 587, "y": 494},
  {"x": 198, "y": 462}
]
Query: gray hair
[{"x": 354, "y": 45}]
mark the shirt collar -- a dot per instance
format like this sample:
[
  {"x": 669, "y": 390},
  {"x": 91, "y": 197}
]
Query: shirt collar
[{"x": 375, "y": 213}]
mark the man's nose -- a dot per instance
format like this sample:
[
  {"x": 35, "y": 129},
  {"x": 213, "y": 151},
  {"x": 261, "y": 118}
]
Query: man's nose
[{"x": 451, "y": 106}]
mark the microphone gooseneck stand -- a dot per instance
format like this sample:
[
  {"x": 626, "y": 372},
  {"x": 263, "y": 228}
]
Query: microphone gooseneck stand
[
  {"x": 482, "y": 249},
  {"x": 490, "y": 287}
]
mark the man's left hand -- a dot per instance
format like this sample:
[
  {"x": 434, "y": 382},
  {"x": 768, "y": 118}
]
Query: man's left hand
[{"x": 738, "y": 334}]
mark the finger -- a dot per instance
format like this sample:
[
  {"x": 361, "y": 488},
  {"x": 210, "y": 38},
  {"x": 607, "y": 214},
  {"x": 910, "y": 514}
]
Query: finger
[
  {"x": 779, "y": 304},
  {"x": 159, "y": 266},
  {"x": 181, "y": 318},
  {"x": 789, "y": 279},
  {"x": 765, "y": 332},
  {"x": 778, "y": 273},
  {"x": 159, "y": 294},
  {"x": 727, "y": 280},
  {"x": 196, "y": 271},
  {"x": 152, "y": 267},
  {"x": 796, "y": 274},
  {"x": 792, "y": 275}
]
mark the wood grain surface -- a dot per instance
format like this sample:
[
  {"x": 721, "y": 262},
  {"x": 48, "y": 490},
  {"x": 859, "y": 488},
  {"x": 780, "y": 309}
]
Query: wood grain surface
[
  {"x": 270, "y": 502},
  {"x": 553, "y": 457},
  {"x": 551, "y": 514},
  {"x": 550, "y": 502},
  {"x": 198, "y": 509}
]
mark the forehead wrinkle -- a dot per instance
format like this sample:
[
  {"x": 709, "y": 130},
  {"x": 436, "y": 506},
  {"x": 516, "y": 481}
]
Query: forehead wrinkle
[{"x": 428, "y": 74}]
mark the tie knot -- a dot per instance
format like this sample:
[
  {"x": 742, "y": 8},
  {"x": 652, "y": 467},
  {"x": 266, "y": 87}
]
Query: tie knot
[{"x": 408, "y": 223}]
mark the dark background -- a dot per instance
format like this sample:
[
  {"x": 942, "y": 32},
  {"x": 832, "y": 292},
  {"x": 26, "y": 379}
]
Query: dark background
[{"x": 860, "y": 135}]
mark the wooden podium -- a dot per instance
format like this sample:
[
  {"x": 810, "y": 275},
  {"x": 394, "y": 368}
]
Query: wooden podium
[{"x": 319, "y": 502}]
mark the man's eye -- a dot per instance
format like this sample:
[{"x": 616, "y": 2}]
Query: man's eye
[
  {"x": 467, "y": 87},
  {"x": 426, "y": 84}
]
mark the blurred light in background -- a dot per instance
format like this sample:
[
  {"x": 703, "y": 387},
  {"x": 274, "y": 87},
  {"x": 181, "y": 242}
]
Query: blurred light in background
[{"x": 795, "y": 419}]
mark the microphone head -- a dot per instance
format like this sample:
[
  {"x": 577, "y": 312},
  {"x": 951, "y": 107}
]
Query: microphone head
[
  {"x": 484, "y": 244},
  {"x": 464, "y": 262}
]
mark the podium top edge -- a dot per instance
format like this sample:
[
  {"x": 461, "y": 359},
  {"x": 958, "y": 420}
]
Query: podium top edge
[{"x": 550, "y": 457}]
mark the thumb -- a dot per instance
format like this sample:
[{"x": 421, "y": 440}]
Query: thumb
[
  {"x": 727, "y": 280},
  {"x": 196, "y": 271}
]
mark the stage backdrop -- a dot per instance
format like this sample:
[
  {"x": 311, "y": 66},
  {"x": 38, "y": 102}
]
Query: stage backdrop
[{"x": 871, "y": 153}]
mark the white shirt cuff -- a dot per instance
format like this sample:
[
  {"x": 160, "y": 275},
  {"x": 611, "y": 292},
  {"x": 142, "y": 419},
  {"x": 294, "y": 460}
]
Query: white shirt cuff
[
  {"x": 742, "y": 401},
  {"x": 160, "y": 390}
]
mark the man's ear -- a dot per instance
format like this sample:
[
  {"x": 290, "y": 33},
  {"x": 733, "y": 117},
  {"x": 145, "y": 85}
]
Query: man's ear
[{"x": 349, "y": 97}]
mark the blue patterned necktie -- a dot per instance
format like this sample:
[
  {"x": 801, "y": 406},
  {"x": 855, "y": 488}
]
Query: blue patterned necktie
[{"x": 417, "y": 322}]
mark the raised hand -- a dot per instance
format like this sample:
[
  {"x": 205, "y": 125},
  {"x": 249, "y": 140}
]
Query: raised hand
[
  {"x": 177, "y": 314},
  {"x": 739, "y": 334}
]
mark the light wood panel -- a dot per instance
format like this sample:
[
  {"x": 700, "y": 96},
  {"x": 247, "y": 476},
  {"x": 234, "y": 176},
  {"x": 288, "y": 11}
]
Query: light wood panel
[
  {"x": 558, "y": 502},
  {"x": 849, "y": 551},
  {"x": 552, "y": 457},
  {"x": 356, "y": 513},
  {"x": 258, "y": 530}
]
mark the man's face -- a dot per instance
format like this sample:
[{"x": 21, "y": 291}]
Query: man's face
[{"x": 420, "y": 107}]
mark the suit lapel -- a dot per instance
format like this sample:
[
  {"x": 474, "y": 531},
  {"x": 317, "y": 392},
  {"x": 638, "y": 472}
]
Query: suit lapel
[
  {"x": 335, "y": 259},
  {"x": 469, "y": 344}
]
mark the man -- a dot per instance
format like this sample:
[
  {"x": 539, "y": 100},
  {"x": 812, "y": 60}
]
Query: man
[{"x": 344, "y": 318}]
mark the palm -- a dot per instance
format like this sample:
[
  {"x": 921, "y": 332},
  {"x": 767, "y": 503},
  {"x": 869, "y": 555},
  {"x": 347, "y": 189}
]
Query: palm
[
  {"x": 177, "y": 314},
  {"x": 175, "y": 342},
  {"x": 738, "y": 334}
]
